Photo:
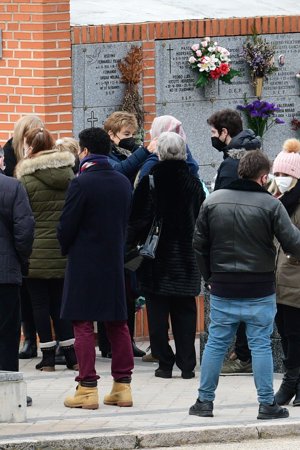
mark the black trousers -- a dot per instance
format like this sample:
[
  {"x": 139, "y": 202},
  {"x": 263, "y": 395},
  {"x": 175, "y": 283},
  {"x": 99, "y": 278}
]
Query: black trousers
[
  {"x": 10, "y": 321},
  {"x": 28, "y": 325},
  {"x": 46, "y": 298},
  {"x": 288, "y": 324},
  {"x": 183, "y": 314},
  {"x": 241, "y": 344}
]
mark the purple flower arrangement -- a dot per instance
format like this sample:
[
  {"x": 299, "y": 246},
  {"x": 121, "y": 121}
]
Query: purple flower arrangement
[
  {"x": 259, "y": 55},
  {"x": 260, "y": 115}
]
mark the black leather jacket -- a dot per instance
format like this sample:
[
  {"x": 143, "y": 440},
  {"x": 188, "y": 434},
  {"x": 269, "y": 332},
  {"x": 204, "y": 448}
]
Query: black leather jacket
[{"x": 235, "y": 230}]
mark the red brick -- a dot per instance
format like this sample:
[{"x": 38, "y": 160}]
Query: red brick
[
  {"x": 137, "y": 32},
  {"x": 272, "y": 25},
  {"x": 215, "y": 27},
  {"x": 279, "y": 24},
  {"x": 236, "y": 27},
  {"x": 76, "y": 35},
  {"x": 286, "y": 24},
  {"x": 258, "y": 25},
  {"x": 106, "y": 33}
]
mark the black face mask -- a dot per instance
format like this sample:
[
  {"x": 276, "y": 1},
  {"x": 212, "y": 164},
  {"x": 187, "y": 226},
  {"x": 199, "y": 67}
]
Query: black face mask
[
  {"x": 128, "y": 143},
  {"x": 219, "y": 145}
]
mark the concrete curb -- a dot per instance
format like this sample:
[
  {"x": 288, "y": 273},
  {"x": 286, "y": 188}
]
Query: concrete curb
[{"x": 170, "y": 438}]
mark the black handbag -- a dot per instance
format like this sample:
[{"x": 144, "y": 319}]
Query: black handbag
[
  {"x": 148, "y": 249},
  {"x": 134, "y": 257}
]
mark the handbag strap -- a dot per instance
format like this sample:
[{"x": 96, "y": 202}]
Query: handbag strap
[{"x": 152, "y": 193}]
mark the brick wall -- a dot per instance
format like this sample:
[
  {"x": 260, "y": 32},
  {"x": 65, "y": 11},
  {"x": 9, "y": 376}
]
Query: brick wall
[
  {"x": 35, "y": 72},
  {"x": 147, "y": 33}
]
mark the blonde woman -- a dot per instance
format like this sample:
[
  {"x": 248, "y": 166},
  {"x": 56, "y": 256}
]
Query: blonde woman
[
  {"x": 14, "y": 147},
  {"x": 45, "y": 173},
  {"x": 69, "y": 144},
  {"x": 13, "y": 153}
]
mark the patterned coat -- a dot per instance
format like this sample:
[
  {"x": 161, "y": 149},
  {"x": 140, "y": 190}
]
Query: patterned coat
[{"x": 179, "y": 196}]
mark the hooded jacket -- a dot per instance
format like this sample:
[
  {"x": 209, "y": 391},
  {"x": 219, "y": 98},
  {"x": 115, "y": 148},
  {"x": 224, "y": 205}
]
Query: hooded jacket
[
  {"x": 239, "y": 144},
  {"x": 46, "y": 177}
]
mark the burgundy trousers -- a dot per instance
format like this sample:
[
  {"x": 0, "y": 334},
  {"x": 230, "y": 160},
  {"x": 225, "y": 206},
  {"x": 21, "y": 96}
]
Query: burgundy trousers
[{"x": 122, "y": 361}]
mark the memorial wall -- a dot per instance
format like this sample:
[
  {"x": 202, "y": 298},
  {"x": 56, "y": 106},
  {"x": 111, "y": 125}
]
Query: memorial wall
[{"x": 97, "y": 90}]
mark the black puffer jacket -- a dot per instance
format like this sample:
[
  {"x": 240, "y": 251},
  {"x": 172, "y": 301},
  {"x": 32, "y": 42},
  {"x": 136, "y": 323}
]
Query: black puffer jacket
[
  {"x": 236, "y": 228},
  {"x": 239, "y": 144},
  {"x": 178, "y": 198},
  {"x": 16, "y": 230}
]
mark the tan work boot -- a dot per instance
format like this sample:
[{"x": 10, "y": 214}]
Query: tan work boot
[
  {"x": 120, "y": 395},
  {"x": 85, "y": 398}
]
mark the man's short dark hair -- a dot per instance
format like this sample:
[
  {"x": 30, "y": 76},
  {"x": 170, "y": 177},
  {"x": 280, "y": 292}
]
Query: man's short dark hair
[
  {"x": 253, "y": 164},
  {"x": 96, "y": 140},
  {"x": 226, "y": 118}
]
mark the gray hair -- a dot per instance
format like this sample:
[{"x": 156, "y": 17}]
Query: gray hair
[{"x": 170, "y": 146}]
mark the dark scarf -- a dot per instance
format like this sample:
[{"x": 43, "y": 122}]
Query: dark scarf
[
  {"x": 290, "y": 199},
  {"x": 92, "y": 160}
]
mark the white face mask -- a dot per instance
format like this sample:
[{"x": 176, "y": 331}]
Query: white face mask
[{"x": 283, "y": 183}]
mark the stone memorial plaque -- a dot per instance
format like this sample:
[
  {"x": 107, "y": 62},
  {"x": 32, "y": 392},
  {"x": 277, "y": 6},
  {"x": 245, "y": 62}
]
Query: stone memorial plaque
[
  {"x": 177, "y": 95},
  {"x": 97, "y": 90}
]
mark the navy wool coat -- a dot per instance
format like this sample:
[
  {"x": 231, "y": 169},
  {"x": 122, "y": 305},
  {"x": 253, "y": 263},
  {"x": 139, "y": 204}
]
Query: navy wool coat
[{"x": 92, "y": 232}]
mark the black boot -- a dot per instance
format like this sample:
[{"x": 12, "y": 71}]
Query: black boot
[
  {"x": 270, "y": 412},
  {"x": 202, "y": 409},
  {"x": 137, "y": 352},
  {"x": 296, "y": 401},
  {"x": 287, "y": 388},
  {"x": 29, "y": 350},
  {"x": 48, "y": 362},
  {"x": 70, "y": 355},
  {"x": 60, "y": 359}
]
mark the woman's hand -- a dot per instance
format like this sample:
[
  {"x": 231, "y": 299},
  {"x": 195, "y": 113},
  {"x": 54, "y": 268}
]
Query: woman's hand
[{"x": 152, "y": 146}]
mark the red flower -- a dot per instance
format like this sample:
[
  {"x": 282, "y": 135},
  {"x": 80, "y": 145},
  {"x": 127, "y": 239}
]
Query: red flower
[
  {"x": 215, "y": 74},
  {"x": 224, "y": 68}
]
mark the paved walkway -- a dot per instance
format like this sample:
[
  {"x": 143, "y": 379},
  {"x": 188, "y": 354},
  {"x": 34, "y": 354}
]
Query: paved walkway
[{"x": 158, "y": 418}]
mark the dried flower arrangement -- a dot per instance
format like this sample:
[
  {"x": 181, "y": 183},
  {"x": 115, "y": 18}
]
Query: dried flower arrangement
[
  {"x": 131, "y": 68},
  {"x": 259, "y": 55}
]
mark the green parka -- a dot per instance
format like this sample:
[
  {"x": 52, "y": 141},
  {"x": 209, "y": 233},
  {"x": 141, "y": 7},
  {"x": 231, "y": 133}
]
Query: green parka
[
  {"x": 288, "y": 272},
  {"x": 46, "y": 176}
]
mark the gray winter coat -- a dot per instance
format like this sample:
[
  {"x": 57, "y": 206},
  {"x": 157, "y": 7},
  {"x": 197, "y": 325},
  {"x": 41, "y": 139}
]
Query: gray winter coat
[{"x": 16, "y": 230}]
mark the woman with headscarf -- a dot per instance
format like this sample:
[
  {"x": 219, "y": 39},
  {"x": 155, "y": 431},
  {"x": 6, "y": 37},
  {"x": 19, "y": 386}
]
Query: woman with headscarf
[
  {"x": 171, "y": 281},
  {"x": 286, "y": 187},
  {"x": 160, "y": 125}
]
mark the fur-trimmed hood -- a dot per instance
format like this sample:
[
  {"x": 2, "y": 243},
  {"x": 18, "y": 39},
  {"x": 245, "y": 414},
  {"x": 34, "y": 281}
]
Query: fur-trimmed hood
[
  {"x": 239, "y": 144},
  {"x": 44, "y": 166},
  {"x": 236, "y": 153}
]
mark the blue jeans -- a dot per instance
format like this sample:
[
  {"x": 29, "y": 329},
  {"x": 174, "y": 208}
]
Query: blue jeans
[{"x": 225, "y": 315}]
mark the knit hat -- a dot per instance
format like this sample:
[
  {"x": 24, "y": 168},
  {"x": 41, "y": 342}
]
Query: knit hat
[{"x": 288, "y": 161}]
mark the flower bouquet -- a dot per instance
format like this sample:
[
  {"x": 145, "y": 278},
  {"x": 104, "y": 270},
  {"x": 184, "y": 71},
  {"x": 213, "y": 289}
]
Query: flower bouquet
[
  {"x": 212, "y": 62},
  {"x": 259, "y": 55},
  {"x": 260, "y": 115}
]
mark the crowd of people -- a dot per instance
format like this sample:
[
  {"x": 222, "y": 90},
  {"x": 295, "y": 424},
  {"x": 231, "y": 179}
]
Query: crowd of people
[{"x": 71, "y": 211}]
